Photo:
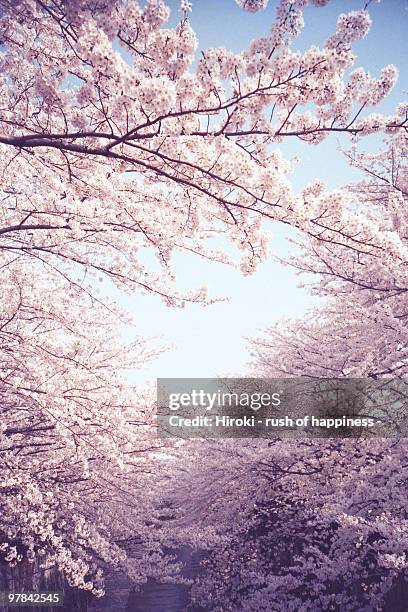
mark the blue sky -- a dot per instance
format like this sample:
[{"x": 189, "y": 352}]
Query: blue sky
[{"x": 210, "y": 341}]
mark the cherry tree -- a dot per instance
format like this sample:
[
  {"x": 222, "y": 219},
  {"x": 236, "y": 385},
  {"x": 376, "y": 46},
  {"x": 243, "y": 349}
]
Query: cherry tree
[
  {"x": 129, "y": 145},
  {"x": 113, "y": 144},
  {"x": 76, "y": 439},
  {"x": 321, "y": 524},
  {"x": 356, "y": 246},
  {"x": 298, "y": 524}
]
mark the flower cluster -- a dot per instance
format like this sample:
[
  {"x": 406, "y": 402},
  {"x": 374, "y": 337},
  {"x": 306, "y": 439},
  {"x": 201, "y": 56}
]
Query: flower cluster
[{"x": 252, "y": 6}]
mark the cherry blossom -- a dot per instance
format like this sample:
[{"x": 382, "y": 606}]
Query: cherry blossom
[
  {"x": 119, "y": 141},
  {"x": 252, "y": 6}
]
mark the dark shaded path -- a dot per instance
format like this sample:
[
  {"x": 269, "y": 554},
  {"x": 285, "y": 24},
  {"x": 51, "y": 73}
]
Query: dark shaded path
[{"x": 153, "y": 596}]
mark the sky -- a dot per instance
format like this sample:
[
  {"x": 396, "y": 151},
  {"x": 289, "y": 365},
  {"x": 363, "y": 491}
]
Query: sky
[{"x": 209, "y": 341}]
